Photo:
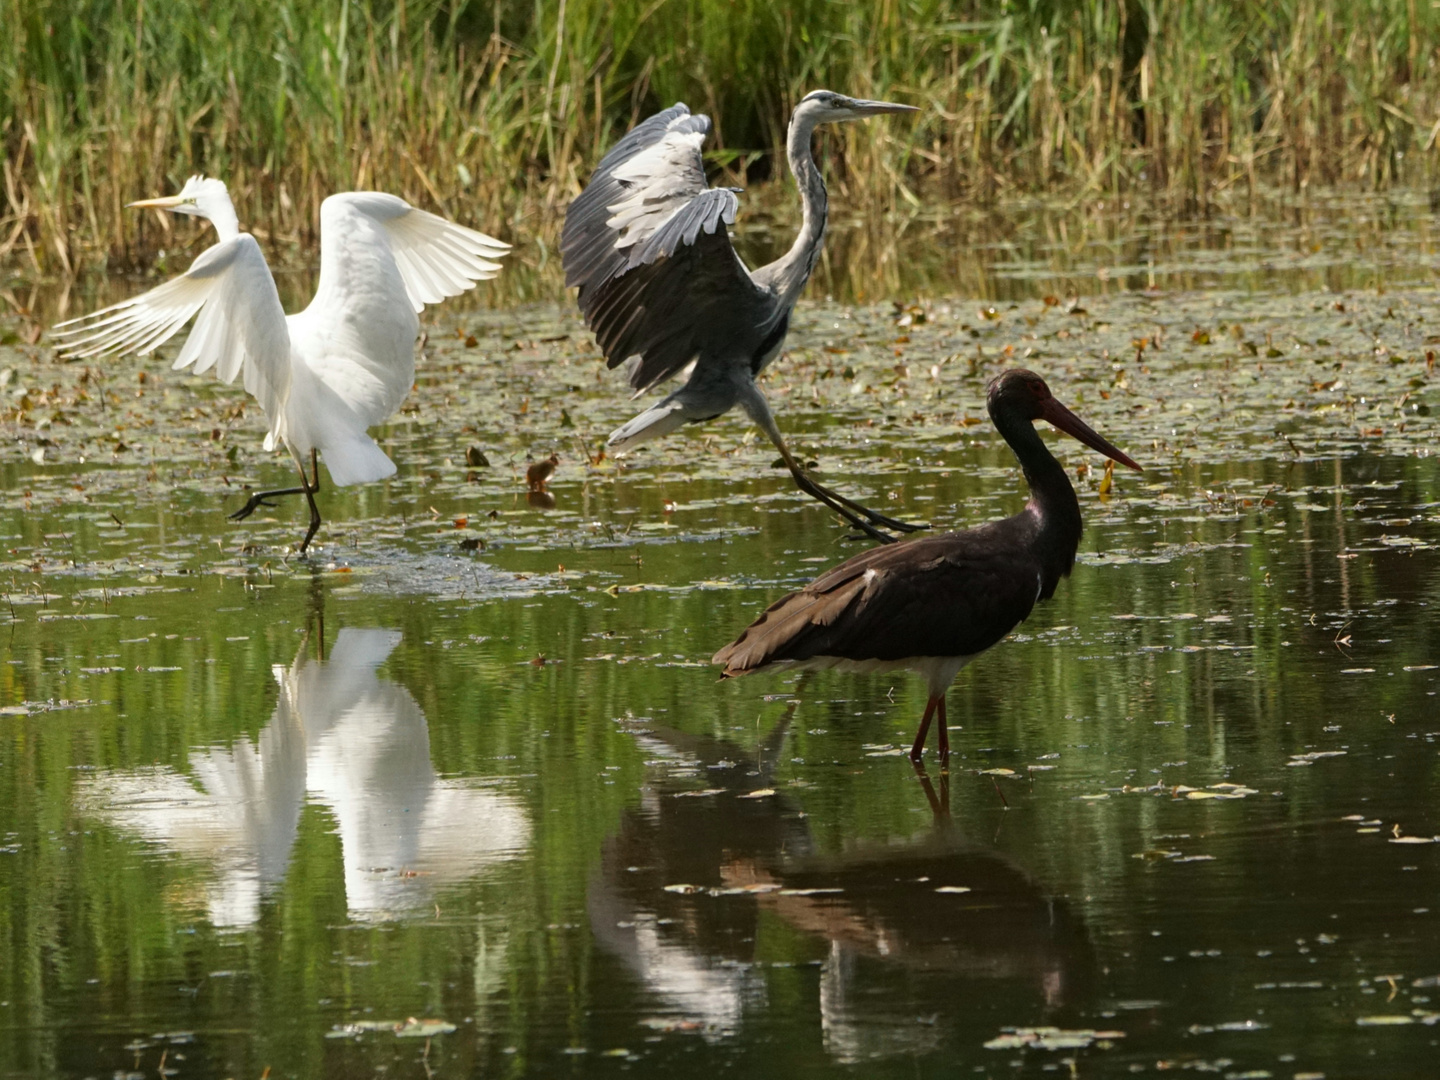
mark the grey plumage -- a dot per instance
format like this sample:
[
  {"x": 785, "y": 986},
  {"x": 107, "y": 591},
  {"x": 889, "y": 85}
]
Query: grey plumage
[{"x": 662, "y": 288}]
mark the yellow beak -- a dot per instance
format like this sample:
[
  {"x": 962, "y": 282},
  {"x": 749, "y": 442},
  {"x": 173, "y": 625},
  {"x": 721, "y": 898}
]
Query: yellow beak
[{"x": 167, "y": 202}]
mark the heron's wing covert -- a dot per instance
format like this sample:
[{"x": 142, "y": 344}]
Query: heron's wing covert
[
  {"x": 436, "y": 258},
  {"x": 646, "y": 244},
  {"x": 240, "y": 330},
  {"x": 668, "y": 142}
]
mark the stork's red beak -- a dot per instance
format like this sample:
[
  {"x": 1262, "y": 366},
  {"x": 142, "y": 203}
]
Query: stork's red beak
[{"x": 1072, "y": 425}]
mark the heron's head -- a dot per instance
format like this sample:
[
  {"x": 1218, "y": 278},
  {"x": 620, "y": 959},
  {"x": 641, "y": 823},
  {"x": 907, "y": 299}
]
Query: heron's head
[
  {"x": 201, "y": 196},
  {"x": 828, "y": 107}
]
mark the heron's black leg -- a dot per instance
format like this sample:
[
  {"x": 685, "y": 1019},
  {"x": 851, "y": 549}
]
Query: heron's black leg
[
  {"x": 851, "y": 511},
  {"x": 944, "y": 734},
  {"x": 875, "y": 516},
  {"x": 918, "y": 749},
  {"x": 861, "y": 517}
]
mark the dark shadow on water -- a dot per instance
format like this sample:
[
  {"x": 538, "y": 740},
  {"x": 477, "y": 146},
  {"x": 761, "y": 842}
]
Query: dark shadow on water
[{"x": 910, "y": 943}]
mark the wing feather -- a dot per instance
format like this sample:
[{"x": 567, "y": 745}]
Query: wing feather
[
  {"x": 646, "y": 246},
  {"x": 951, "y": 595},
  {"x": 240, "y": 326},
  {"x": 437, "y": 258}
]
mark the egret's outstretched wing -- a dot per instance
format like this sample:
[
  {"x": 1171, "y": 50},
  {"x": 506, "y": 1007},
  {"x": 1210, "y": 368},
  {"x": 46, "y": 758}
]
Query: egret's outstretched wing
[
  {"x": 241, "y": 325},
  {"x": 436, "y": 258},
  {"x": 647, "y": 246}
]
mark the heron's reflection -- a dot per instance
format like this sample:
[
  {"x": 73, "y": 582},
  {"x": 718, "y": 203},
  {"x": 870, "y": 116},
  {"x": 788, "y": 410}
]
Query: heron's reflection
[
  {"x": 912, "y": 938},
  {"x": 344, "y": 738}
]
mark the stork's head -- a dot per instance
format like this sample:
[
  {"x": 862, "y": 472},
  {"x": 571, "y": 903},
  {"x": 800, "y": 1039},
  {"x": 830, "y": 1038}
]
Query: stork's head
[
  {"x": 828, "y": 107},
  {"x": 203, "y": 197},
  {"x": 1023, "y": 394}
]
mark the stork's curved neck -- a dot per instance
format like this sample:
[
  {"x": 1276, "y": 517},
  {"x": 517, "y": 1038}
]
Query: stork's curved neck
[
  {"x": 1052, "y": 499},
  {"x": 792, "y": 270}
]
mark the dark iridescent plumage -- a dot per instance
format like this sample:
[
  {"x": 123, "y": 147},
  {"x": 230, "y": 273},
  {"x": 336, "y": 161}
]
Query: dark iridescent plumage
[{"x": 932, "y": 605}]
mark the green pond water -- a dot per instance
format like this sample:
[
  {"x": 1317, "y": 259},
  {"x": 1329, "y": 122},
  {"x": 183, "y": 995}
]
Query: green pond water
[{"x": 460, "y": 795}]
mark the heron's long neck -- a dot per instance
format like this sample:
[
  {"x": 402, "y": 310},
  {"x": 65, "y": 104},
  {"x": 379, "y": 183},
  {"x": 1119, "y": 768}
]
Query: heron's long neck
[
  {"x": 221, "y": 212},
  {"x": 793, "y": 269},
  {"x": 1052, "y": 499}
]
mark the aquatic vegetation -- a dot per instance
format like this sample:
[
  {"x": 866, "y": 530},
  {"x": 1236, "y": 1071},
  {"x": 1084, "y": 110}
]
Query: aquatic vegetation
[{"x": 1217, "y": 744}]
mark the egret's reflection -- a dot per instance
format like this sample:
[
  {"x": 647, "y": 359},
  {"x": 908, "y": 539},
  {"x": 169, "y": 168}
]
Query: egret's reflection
[
  {"x": 346, "y": 739},
  {"x": 912, "y": 939}
]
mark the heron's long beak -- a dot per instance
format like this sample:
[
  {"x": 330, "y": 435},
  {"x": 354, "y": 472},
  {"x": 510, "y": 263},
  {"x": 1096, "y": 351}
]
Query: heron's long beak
[
  {"x": 875, "y": 108},
  {"x": 1072, "y": 425},
  {"x": 167, "y": 202}
]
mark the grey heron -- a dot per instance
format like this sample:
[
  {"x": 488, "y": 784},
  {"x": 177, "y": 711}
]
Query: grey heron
[{"x": 662, "y": 287}]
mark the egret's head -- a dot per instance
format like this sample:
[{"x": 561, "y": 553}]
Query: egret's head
[
  {"x": 828, "y": 107},
  {"x": 203, "y": 197}
]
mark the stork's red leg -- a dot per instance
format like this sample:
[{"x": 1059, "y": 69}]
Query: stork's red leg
[
  {"x": 919, "y": 748},
  {"x": 944, "y": 733}
]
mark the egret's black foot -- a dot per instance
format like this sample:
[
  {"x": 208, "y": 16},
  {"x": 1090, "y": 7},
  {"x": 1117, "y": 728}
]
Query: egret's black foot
[
  {"x": 256, "y": 501},
  {"x": 260, "y": 498}
]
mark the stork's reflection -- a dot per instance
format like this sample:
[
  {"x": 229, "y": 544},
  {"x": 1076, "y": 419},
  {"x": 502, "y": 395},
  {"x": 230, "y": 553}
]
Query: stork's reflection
[
  {"x": 714, "y": 881},
  {"x": 346, "y": 739}
]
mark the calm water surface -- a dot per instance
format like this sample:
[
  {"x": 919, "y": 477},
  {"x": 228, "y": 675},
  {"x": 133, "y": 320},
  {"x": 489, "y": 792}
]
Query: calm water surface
[{"x": 412, "y": 808}]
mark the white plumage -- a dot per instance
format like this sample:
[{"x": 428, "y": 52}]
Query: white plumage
[{"x": 328, "y": 373}]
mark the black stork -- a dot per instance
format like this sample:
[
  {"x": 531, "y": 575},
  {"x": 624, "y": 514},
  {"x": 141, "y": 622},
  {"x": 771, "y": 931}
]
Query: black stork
[{"x": 933, "y": 605}]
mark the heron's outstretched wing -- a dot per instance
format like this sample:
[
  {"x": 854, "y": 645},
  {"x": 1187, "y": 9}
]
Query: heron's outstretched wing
[
  {"x": 436, "y": 258},
  {"x": 240, "y": 330},
  {"x": 646, "y": 244}
]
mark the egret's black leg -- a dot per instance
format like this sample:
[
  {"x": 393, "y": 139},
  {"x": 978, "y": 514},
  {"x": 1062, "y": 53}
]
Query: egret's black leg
[
  {"x": 307, "y": 487},
  {"x": 311, "y": 487}
]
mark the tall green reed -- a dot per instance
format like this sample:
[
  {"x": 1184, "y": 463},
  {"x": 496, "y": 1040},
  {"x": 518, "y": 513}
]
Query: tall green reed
[{"x": 495, "y": 112}]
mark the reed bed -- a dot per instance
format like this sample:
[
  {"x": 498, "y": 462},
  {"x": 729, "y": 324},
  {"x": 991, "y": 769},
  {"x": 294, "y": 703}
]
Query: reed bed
[{"x": 494, "y": 112}]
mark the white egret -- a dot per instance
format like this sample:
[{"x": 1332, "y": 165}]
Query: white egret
[{"x": 324, "y": 375}]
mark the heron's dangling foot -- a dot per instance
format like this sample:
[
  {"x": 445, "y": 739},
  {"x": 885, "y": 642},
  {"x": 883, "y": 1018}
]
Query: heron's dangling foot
[{"x": 862, "y": 517}]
